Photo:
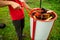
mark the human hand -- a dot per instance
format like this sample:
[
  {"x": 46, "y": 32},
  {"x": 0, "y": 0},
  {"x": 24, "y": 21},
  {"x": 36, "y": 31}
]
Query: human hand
[{"x": 15, "y": 5}]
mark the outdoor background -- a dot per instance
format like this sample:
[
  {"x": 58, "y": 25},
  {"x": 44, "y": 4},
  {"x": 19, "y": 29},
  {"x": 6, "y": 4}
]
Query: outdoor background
[{"x": 9, "y": 33}]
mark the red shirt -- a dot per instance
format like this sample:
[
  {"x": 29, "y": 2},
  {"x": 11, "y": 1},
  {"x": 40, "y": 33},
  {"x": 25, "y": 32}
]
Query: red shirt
[{"x": 16, "y": 14}]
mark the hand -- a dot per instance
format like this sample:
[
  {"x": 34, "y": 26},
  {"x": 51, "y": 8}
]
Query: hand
[
  {"x": 30, "y": 9},
  {"x": 15, "y": 5}
]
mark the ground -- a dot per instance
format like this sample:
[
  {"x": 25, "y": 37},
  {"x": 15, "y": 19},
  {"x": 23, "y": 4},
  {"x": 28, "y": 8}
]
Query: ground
[{"x": 9, "y": 33}]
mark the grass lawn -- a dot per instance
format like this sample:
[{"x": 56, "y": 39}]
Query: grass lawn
[{"x": 9, "y": 33}]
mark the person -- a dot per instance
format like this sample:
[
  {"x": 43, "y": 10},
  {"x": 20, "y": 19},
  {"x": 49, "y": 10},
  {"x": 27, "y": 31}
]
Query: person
[{"x": 16, "y": 8}]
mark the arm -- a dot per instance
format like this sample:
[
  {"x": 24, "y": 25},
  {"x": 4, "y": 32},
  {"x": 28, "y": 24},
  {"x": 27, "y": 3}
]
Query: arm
[
  {"x": 6, "y": 3},
  {"x": 25, "y": 5}
]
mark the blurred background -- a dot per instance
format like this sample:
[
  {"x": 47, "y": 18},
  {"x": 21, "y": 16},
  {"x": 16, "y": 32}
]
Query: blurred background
[{"x": 8, "y": 33}]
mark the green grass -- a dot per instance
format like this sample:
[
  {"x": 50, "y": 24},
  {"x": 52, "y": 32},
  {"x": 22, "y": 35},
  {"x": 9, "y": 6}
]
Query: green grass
[{"x": 9, "y": 33}]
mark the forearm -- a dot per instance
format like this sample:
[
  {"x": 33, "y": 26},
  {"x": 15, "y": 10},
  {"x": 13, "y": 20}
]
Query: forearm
[
  {"x": 4, "y": 3},
  {"x": 26, "y": 6}
]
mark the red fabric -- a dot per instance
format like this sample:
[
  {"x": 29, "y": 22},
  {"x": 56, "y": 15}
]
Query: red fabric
[{"x": 17, "y": 14}]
